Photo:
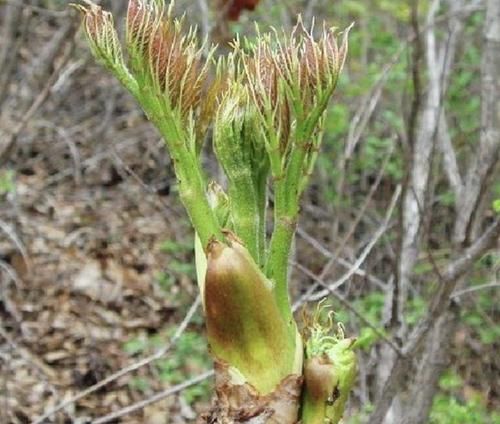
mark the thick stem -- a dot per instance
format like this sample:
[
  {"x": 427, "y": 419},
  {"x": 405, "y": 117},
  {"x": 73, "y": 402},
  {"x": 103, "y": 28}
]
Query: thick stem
[{"x": 286, "y": 210}]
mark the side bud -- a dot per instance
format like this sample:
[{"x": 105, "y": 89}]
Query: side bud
[{"x": 330, "y": 372}]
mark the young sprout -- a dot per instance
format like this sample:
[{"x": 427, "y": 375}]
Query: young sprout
[
  {"x": 329, "y": 371},
  {"x": 265, "y": 102}
]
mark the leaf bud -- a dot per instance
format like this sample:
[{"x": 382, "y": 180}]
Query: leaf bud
[
  {"x": 244, "y": 325},
  {"x": 103, "y": 40},
  {"x": 330, "y": 371}
]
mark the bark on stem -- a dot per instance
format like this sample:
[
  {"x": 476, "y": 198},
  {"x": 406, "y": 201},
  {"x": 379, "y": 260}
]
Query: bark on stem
[{"x": 241, "y": 403}]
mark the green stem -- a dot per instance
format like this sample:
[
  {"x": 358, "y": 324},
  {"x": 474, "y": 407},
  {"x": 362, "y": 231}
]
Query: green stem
[
  {"x": 193, "y": 196},
  {"x": 295, "y": 173},
  {"x": 313, "y": 412},
  {"x": 244, "y": 211},
  {"x": 261, "y": 193},
  {"x": 286, "y": 210},
  {"x": 277, "y": 266},
  {"x": 192, "y": 185},
  {"x": 285, "y": 221}
]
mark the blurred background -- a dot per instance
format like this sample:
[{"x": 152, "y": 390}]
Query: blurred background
[{"x": 96, "y": 252}]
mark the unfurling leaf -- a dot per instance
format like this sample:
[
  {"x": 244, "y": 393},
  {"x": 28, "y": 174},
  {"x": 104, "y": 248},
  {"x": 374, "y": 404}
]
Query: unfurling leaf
[
  {"x": 104, "y": 43},
  {"x": 163, "y": 55}
]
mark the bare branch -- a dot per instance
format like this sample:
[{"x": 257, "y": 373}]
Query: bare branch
[
  {"x": 433, "y": 362},
  {"x": 361, "y": 212},
  {"x": 11, "y": 273},
  {"x": 155, "y": 398},
  {"x": 487, "y": 152},
  {"x": 364, "y": 111},
  {"x": 439, "y": 306},
  {"x": 449, "y": 157},
  {"x": 43, "y": 62},
  {"x": 417, "y": 54},
  {"x": 381, "y": 230},
  {"x": 423, "y": 152},
  {"x": 472, "y": 253},
  {"x": 474, "y": 289}
]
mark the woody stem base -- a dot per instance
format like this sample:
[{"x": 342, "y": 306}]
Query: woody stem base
[{"x": 241, "y": 403}]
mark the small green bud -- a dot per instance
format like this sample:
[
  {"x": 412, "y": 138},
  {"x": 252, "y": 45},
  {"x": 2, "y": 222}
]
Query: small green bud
[
  {"x": 330, "y": 372},
  {"x": 237, "y": 140}
]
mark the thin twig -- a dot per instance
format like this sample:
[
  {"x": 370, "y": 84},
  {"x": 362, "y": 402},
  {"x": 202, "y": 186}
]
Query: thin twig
[
  {"x": 132, "y": 367},
  {"x": 37, "y": 103},
  {"x": 474, "y": 289},
  {"x": 7, "y": 229},
  {"x": 316, "y": 244},
  {"x": 359, "y": 215},
  {"x": 45, "y": 372},
  {"x": 335, "y": 285},
  {"x": 155, "y": 398},
  {"x": 11, "y": 272}
]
